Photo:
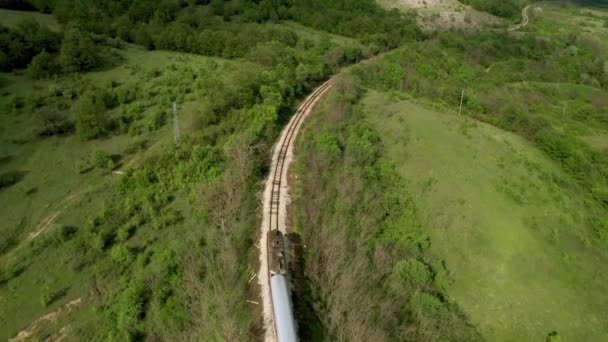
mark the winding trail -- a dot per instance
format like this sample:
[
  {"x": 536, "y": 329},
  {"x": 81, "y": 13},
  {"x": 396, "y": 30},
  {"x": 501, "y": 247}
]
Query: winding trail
[
  {"x": 524, "y": 19},
  {"x": 277, "y": 197}
]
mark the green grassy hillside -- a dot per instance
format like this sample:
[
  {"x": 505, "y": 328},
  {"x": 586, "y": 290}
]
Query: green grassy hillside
[
  {"x": 505, "y": 220},
  {"x": 65, "y": 183},
  {"x": 111, "y": 230},
  {"x": 12, "y": 18}
]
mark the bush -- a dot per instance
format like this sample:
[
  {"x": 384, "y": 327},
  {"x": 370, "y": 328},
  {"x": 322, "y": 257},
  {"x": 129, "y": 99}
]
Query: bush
[
  {"x": 121, "y": 254},
  {"x": 412, "y": 272},
  {"x": 100, "y": 241},
  {"x": 42, "y": 65},
  {"x": 89, "y": 116},
  {"x": 48, "y": 296},
  {"x": 156, "y": 120},
  {"x": 52, "y": 122},
  {"x": 103, "y": 160},
  {"x": 78, "y": 52},
  {"x": 126, "y": 312}
]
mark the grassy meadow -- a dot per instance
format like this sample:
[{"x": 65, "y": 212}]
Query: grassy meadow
[
  {"x": 12, "y": 18},
  {"x": 506, "y": 221},
  {"x": 61, "y": 187}
]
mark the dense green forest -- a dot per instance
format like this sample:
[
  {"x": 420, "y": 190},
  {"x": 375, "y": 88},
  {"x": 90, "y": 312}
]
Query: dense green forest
[{"x": 227, "y": 29}]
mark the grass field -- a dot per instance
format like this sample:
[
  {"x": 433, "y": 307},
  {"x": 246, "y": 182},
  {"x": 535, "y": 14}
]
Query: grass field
[
  {"x": 53, "y": 190},
  {"x": 552, "y": 19},
  {"x": 11, "y": 18},
  {"x": 508, "y": 223}
]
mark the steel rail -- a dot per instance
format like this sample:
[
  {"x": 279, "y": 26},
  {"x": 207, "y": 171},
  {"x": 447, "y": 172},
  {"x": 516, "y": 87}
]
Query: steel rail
[{"x": 279, "y": 164}]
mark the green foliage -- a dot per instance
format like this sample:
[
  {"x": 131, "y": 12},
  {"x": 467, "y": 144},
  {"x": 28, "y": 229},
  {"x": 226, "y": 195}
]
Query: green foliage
[
  {"x": 78, "y": 53},
  {"x": 48, "y": 296},
  {"x": 272, "y": 54},
  {"x": 127, "y": 312},
  {"x": 103, "y": 160},
  {"x": 489, "y": 67},
  {"x": 21, "y": 44},
  {"x": 42, "y": 65},
  {"x": 553, "y": 337},
  {"x": 179, "y": 276},
  {"x": 327, "y": 144},
  {"x": 89, "y": 116},
  {"x": 121, "y": 254},
  {"x": 412, "y": 272},
  {"x": 52, "y": 122},
  {"x": 371, "y": 229},
  {"x": 9, "y": 178}
]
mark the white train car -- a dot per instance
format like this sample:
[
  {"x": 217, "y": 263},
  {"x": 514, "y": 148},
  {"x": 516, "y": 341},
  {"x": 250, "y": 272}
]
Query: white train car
[
  {"x": 284, "y": 320},
  {"x": 283, "y": 310}
]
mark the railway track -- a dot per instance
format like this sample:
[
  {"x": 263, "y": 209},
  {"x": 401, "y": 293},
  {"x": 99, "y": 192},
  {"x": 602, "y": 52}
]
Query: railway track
[{"x": 276, "y": 198}]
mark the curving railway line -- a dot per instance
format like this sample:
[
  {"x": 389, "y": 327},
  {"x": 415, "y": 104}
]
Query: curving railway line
[{"x": 275, "y": 201}]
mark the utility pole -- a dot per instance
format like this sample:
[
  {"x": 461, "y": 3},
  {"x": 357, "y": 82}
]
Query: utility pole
[
  {"x": 176, "y": 135},
  {"x": 461, "y": 98}
]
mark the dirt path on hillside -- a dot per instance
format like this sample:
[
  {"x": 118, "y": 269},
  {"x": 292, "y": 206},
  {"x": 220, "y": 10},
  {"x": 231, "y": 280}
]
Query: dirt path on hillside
[
  {"x": 524, "y": 19},
  {"x": 47, "y": 221},
  {"x": 50, "y": 317}
]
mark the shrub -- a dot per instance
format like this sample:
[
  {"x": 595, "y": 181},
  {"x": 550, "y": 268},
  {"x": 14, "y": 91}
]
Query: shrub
[
  {"x": 121, "y": 254},
  {"x": 425, "y": 302},
  {"x": 156, "y": 120},
  {"x": 78, "y": 52},
  {"x": 46, "y": 297},
  {"x": 124, "y": 232},
  {"x": 412, "y": 272},
  {"x": 89, "y": 117},
  {"x": 100, "y": 241},
  {"x": 42, "y": 65},
  {"x": 102, "y": 160},
  {"x": 52, "y": 122},
  {"x": 126, "y": 312}
]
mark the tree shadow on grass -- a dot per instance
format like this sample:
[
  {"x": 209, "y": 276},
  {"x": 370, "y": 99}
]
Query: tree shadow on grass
[
  {"x": 7, "y": 274},
  {"x": 6, "y": 159},
  {"x": 10, "y": 178}
]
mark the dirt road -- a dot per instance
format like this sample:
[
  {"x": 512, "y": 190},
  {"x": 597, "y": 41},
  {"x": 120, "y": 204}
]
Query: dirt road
[{"x": 524, "y": 19}]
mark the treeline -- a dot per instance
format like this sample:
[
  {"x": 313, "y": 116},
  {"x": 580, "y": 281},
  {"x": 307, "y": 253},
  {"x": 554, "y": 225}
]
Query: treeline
[
  {"x": 44, "y": 52},
  {"x": 228, "y": 29},
  {"x": 366, "y": 261},
  {"x": 19, "y": 45},
  {"x": 361, "y": 19},
  {"x": 503, "y": 8},
  {"x": 493, "y": 69}
]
